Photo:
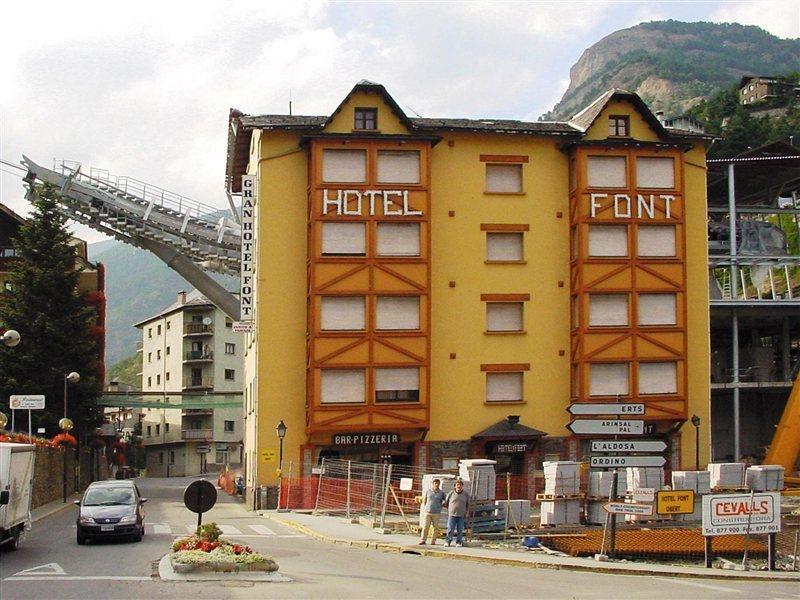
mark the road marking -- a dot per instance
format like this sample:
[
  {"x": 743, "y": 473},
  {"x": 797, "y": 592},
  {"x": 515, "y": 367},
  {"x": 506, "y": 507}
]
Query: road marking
[
  {"x": 230, "y": 530},
  {"x": 716, "y": 588},
  {"x": 262, "y": 529},
  {"x": 80, "y": 578},
  {"x": 48, "y": 569},
  {"x": 159, "y": 528}
]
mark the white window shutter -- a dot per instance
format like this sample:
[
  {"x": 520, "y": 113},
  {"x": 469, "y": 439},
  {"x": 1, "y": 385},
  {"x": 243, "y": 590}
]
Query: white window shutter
[
  {"x": 398, "y": 166},
  {"x": 655, "y": 172},
  {"x": 504, "y": 178},
  {"x": 397, "y": 312},
  {"x": 342, "y": 313},
  {"x": 608, "y": 310},
  {"x": 341, "y": 386},
  {"x": 504, "y": 316},
  {"x": 398, "y": 239},
  {"x": 396, "y": 379},
  {"x": 502, "y": 246},
  {"x": 343, "y": 238},
  {"x": 608, "y": 240},
  {"x": 607, "y": 171},
  {"x": 656, "y": 240},
  {"x": 658, "y": 378},
  {"x": 344, "y": 166},
  {"x": 503, "y": 387},
  {"x": 608, "y": 379},
  {"x": 658, "y": 309}
]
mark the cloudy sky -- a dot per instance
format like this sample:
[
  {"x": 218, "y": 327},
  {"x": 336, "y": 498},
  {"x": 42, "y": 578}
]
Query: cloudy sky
[{"x": 144, "y": 88}]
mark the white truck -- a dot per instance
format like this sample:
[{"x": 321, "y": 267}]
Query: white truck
[{"x": 16, "y": 483}]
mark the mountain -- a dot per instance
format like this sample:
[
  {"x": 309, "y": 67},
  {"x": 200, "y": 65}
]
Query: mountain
[
  {"x": 673, "y": 65},
  {"x": 138, "y": 285}
]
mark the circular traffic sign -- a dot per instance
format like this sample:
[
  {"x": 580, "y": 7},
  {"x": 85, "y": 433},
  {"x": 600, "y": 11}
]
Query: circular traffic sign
[{"x": 200, "y": 496}]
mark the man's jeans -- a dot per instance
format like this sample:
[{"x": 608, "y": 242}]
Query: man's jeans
[{"x": 455, "y": 525}]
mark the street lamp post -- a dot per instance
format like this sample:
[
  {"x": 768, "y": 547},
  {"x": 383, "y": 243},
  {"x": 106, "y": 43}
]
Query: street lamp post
[
  {"x": 10, "y": 338},
  {"x": 280, "y": 429},
  {"x": 696, "y": 423},
  {"x": 66, "y": 425}
]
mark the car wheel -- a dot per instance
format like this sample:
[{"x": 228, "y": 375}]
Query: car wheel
[
  {"x": 13, "y": 543},
  {"x": 137, "y": 537},
  {"x": 80, "y": 538}
]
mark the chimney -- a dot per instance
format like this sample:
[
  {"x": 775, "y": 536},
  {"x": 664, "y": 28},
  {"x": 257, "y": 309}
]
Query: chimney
[
  {"x": 513, "y": 419},
  {"x": 182, "y": 297},
  {"x": 660, "y": 116}
]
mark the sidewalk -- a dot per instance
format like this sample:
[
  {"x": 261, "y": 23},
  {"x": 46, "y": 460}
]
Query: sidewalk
[
  {"x": 337, "y": 530},
  {"x": 51, "y": 508}
]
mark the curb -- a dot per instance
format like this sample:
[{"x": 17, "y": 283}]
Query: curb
[
  {"x": 54, "y": 510},
  {"x": 389, "y": 547}
]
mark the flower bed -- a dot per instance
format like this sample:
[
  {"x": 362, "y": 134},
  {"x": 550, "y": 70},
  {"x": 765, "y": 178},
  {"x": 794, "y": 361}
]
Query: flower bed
[{"x": 206, "y": 551}]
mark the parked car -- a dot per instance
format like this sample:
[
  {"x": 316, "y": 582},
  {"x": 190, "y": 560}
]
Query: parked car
[{"x": 110, "y": 509}]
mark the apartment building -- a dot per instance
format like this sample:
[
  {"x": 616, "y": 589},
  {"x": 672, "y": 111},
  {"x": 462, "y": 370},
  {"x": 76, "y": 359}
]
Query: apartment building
[
  {"x": 190, "y": 351},
  {"x": 433, "y": 288}
]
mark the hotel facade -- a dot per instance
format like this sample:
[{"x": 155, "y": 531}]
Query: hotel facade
[{"x": 425, "y": 290}]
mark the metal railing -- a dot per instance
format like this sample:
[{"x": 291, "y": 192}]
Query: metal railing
[
  {"x": 199, "y": 355},
  {"x": 197, "y": 329},
  {"x": 197, "y": 434},
  {"x": 198, "y": 382}
]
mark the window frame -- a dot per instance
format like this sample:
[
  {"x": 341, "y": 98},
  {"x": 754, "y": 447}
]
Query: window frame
[
  {"x": 520, "y": 303},
  {"x": 518, "y": 230},
  {"x": 394, "y": 396},
  {"x": 617, "y": 123},
  {"x": 515, "y": 164},
  {"x": 361, "y": 113},
  {"x": 489, "y": 374},
  {"x": 324, "y": 254},
  {"x": 232, "y": 375}
]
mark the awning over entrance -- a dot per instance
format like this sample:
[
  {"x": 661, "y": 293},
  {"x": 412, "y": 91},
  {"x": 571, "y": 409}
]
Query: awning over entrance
[{"x": 508, "y": 429}]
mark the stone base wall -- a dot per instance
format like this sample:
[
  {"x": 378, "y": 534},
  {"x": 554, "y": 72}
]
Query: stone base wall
[
  {"x": 48, "y": 475},
  {"x": 436, "y": 451}
]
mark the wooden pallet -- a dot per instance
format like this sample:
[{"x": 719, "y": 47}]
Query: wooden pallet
[
  {"x": 733, "y": 489},
  {"x": 556, "y": 497}
]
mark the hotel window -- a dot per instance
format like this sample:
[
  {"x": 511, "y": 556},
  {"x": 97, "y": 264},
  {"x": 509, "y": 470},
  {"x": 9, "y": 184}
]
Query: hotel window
[
  {"x": 658, "y": 309},
  {"x": 168, "y": 324},
  {"x": 607, "y": 171},
  {"x": 658, "y": 378},
  {"x": 229, "y": 323},
  {"x": 505, "y": 246},
  {"x": 166, "y": 377},
  {"x": 608, "y": 379},
  {"x": 230, "y": 374},
  {"x": 608, "y": 310},
  {"x": 149, "y": 357},
  {"x": 398, "y": 166},
  {"x": 167, "y": 351},
  {"x": 149, "y": 381},
  {"x": 655, "y": 172},
  {"x": 398, "y": 239},
  {"x": 608, "y": 240},
  {"x": 366, "y": 118},
  {"x": 504, "y": 178},
  {"x": 342, "y": 313},
  {"x": 397, "y": 385},
  {"x": 230, "y": 348},
  {"x": 344, "y": 166},
  {"x": 343, "y": 239},
  {"x": 656, "y": 240},
  {"x": 504, "y": 316},
  {"x": 149, "y": 332},
  {"x": 619, "y": 126},
  {"x": 397, "y": 313},
  {"x": 342, "y": 386},
  {"x": 504, "y": 387},
  {"x": 158, "y": 379},
  {"x": 158, "y": 429}
]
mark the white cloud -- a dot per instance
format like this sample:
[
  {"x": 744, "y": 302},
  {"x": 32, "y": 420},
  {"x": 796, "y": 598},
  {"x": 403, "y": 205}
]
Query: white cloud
[{"x": 779, "y": 17}]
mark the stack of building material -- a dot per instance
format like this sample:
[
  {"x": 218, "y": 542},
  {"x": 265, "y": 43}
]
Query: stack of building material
[
  {"x": 519, "y": 512},
  {"x": 600, "y": 483},
  {"x": 697, "y": 481},
  {"x": 645, "y": 477},
  {"x": 479, "y": 478},
  {"x": 595, "y": 513},
  {"x": 765, "y": 478},
  {"x": 561, "y": 504},
  {"x": 726, "y": 475}
]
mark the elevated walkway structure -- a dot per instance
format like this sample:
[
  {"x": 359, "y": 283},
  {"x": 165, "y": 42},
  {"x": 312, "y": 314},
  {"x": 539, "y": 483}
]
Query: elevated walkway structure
[{"x": 181, "y": 232}]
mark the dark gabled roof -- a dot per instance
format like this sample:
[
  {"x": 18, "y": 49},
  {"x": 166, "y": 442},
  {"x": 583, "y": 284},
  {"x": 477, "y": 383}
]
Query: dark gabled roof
[
  {"x": 586, "y": 118},
  {"x": 282, "y": 121},
  {"x": 14, "y": 216},
  {"x": 370, "y": 86},
  {"x": 779, "y": 148},
  {"x": 748, "y": 78},
  {"x": 494, "y": 125},
  {"x": 509, "y": 429}
]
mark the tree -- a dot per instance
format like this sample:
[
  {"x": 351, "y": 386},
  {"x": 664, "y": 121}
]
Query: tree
[{"x": 42, "y": 302}]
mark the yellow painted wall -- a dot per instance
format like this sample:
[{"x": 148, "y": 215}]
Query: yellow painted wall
[
  {"x": 388, "y": 122},
  {"x": 640, "y": 129},
  {"x": 699, "y": 347},
  {"x": 458, "y": 315}
]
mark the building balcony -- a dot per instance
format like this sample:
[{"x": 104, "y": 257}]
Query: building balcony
[
  {"x": 198, "y": 329},
  {"x": 198, "y": 356},
  {"x": 198, "y": 383},
  {"x": 190, "y": 412},
  {"x": 197, "y": 435}
]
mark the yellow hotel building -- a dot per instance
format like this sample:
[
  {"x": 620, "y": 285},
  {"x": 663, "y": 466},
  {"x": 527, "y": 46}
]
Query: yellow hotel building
[{"x": 433, "y": 289}]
